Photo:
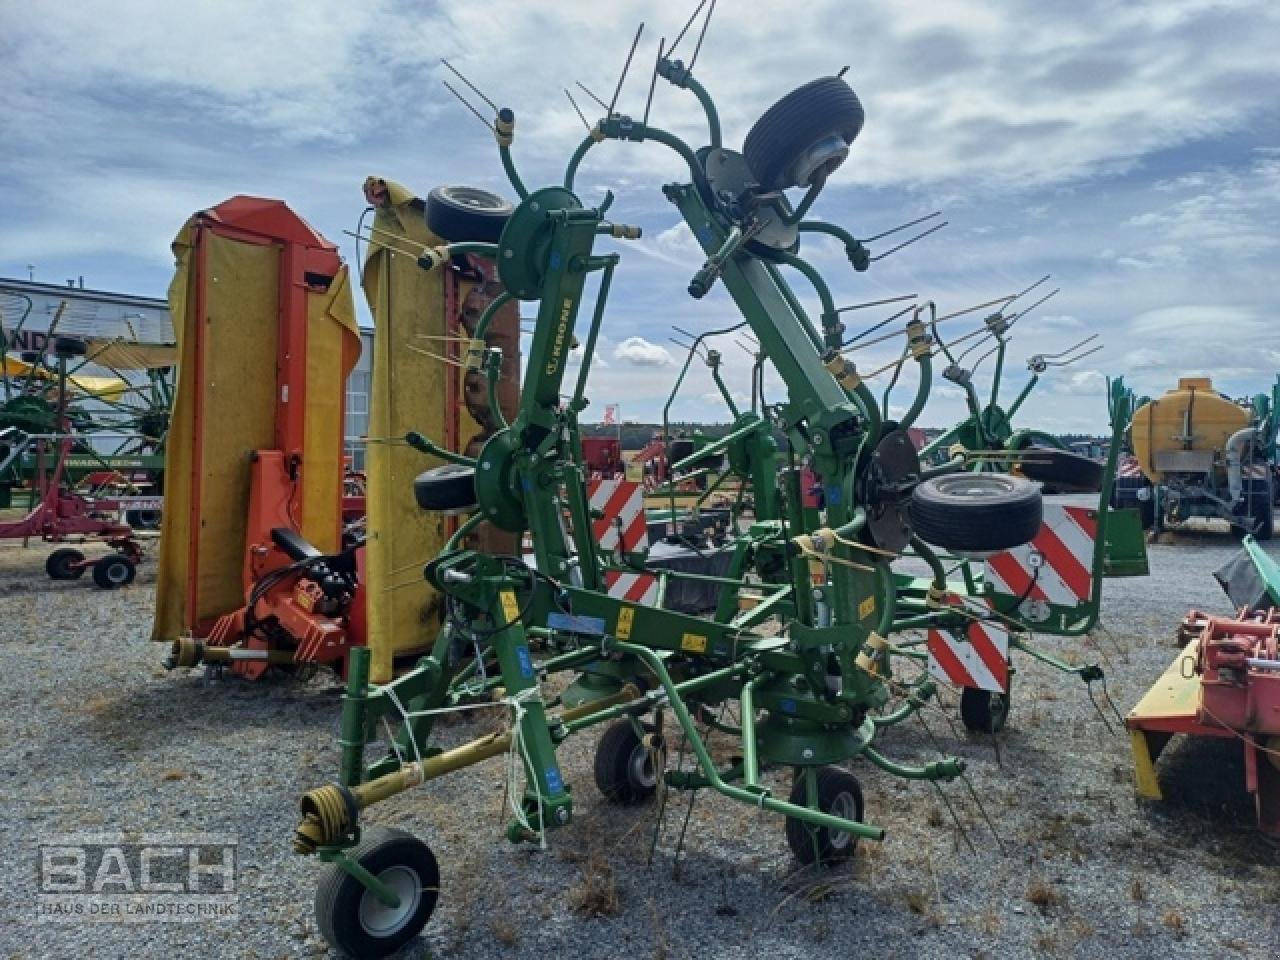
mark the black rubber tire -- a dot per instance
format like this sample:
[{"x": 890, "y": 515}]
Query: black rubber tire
[
  {"x": 1266, "y": 517},
  {"x": 785, "y": 132},
  {"x": 349, "y": 922},
  {"x": 625, "y": 772},
  {"x": 1147, "y": 513},
  {"x": 984, "y": 711},
  {"x": 113, "y": 571},
  {"x": 143, "y": 519},
  {"x": 69, "y": 347},
  {"x": 838, "y": 790},
  {"x": 1062, "y": 468},
  {"x": 60, "y": 565},
  {"x": 461, "y": 214},
  {"x": 977, "y": 512},
  {"x": 445, "y": 488}
]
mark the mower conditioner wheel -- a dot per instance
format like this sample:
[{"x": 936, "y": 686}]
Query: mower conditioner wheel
[
  {"x": 460, "y": 214},
  {"x": 626, "y": 768},
  {"x": 65, "y": 564},
  {"x": 984, "y": 711},
  {"x": 1063, "y": 469},
  {"x": 446, "y": 489},
  {"x": 354, "y": 920},
  {"x": 788, "y": 146},
  {"x": 977, "y": 512},
  {"x": 839, "y": 794},
  {"x": 113, "y": 571}
]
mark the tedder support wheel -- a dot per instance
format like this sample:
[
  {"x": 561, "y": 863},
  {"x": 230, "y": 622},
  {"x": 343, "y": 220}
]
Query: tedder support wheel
[
  {"x": 627, "y": 768},
  {"x": 460, "y": 214},
  {"x": 1062, "y": 468},
  {"x": 977, "y": 512},
  {"x": 839, "y": 794},
  {"x": 113, "y": 571},
  {"x": 805, "y": 135},
  {"x": 354, "y": 920},
  {"x": 65, "y": 563},
  {"x": 446, "y": 489},
  {"x": 984, "y": 711}
]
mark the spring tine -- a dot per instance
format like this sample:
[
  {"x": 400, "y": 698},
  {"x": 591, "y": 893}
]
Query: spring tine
[
  {"x": 682, "y": 330},
  {"x": 588, "y": 92},
  {"x": 983, "y": 810},
  {"x": 1070, "y": 360},
  {"x": 625, "y": 68},
  {"x": 977, "y": 363},
  {"x": 462, "y": 100},
  {"x": 688, "y": 23},
  {"x": 903, "y": 226},
  {"x": 973, "y": 346},
  {"x": 1070, "y": 350},
  {"x": 478, "y": 92},
  {"x": 1023, "y": 293},
  {"x": 578, "y": 109},
  {"x": 653, "y": 82},
  {"x": 877, "y": 303},
  {"x": 1052, "y": 293},
  {"x": 705, "y": 23},
  {"x": 907, "y": 243}
]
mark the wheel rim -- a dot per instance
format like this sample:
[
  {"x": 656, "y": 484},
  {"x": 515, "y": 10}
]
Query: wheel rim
[
  {"x": 379, "y": 920},
  {"x": 117, "y": 573},
  {"x": 845, "y": 806},
  {"x": 475, "y": 199},
  {"x": 641, "y": 768},
  {"x": 997, "y": 709},
  {"x": 974, "y": 486}
]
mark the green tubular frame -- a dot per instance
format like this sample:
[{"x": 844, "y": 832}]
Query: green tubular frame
[{"x": 803, "y": 698}]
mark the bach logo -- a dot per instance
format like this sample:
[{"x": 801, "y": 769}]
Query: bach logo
[{"x": 164, "y": 877}]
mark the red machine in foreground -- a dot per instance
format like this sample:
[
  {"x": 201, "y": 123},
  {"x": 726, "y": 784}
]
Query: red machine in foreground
[{"x": 1225, "y": 683}]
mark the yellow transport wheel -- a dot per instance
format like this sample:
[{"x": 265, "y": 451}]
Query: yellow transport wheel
[{"x": 354, "y": 920}]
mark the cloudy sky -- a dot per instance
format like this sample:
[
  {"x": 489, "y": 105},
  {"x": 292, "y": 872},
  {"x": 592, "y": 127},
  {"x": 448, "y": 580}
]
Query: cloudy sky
[{"x": 1131, "y": 150}]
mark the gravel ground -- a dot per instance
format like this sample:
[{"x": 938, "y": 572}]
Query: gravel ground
[{"x": 101, "y": 739}]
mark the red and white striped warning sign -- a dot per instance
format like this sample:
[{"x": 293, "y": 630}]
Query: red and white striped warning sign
[
  {"x": 621, "y": 524},
  {"x": 978, "y": 657},
  {"x": 1128, "y": 467},
  {"x": 641, "y": 588},
  {"x": 1057, "y": 566},
  {"x": 622, "y": 527}
]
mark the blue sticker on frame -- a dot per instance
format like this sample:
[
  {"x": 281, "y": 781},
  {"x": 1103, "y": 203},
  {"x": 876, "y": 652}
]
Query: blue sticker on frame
[{"x": 526, "y": 661}]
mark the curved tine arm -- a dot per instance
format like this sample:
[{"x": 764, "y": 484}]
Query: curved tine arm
[
  {"x": 612, "y": 129},
  {"x": 830, "y": 319},
  {"x": 859, "y": 256},
  {"x": 675, "y": 73}
]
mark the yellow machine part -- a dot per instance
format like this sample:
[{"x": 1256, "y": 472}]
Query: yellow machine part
[
  {"x": 1193, "y": 417},
  {"x": 408, "y": 392},
  {"x": 240, "y": 325},
  {"x": 108, "y": 388}
]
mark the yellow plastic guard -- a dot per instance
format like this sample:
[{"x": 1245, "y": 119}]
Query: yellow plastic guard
[
  {"x": 407, "y": 394},
  {"x": 1169, "y": 707},
  {"x": 234, "y": 382}
]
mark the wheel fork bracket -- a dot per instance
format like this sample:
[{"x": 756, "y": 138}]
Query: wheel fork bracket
[{"x": 384, "y": 893}]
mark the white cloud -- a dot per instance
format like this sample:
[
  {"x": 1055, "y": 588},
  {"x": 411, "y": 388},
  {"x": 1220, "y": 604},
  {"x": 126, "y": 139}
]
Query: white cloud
[{"x": 642, "y": 353}]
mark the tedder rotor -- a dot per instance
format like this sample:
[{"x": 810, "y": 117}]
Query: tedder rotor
[{"x": 802, "y": 642}]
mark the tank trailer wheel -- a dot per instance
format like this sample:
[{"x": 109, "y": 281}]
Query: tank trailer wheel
[
  {"x": 627, "y": 768},
  {"x": 977, "y": 512},
  {"x": 984, "y": 711},
  {"x": 354, "y": 920},
  {"x": 113, "y": 571},
  {"x": 65, "y": 563},
  {"x": 839, "y": 794}
]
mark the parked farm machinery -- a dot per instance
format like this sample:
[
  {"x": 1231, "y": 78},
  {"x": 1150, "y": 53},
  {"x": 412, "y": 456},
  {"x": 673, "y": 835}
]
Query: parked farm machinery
[
  {"x": 1224, "y": 684},
  {"x": 87, "y": 448},
  {"x": 811, "y": 691},
  {"x": 1197, "y": 453}
]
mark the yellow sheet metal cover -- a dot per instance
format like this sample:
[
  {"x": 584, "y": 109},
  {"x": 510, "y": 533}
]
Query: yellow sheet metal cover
[
  {"x": 408, "y": 393},
  {"x": 234, "y": 383}
]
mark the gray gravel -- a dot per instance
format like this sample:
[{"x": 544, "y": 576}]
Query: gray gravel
[{"x": 100, "y": 738}]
